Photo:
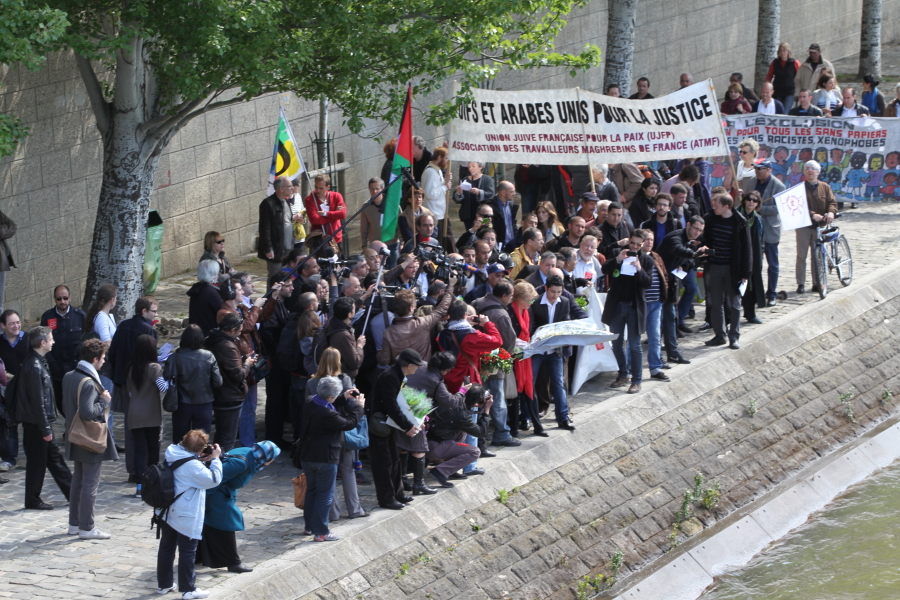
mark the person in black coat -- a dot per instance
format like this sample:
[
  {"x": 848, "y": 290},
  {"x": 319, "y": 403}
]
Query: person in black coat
[
  {"x": 278, "y": 383},
  {"x": 327, "y": 416},
  {"x": 205, "y": 300},
  {"x": 677, "y": 251},
  {"x": 383, "y": 450},
  {"x": 629, "y": 273},
  {"x": 643, "y": 204},
  {"x": 67, "y": 323},
  {"x": 447, "y": 430},
  {"x": 552, "y": 307},
  {"x": 271, "y": 245},
  {"x": 34, "y": 408},
  {"x": 119, "y": 355}
]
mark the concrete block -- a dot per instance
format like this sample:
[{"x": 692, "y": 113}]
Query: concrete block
[
  {"x": 182, "y": 165},
  {"x": 243, "y": 118},
  {"x": 682, "y": 579},
  {"x": 840, "y": 473},
  {"x": 247, "y": 180},
  {"x": 171, "y": 201},
  {"x": 208, "y": 158},
  {"x": 730, "y": 548},
  {"x": 882, "y": 448},
  {"x": 194, "y": 133},
  {"x": 60, "y": 235},
  {"x": 25, "y": 175},
  {"x": 218, "y": 124},
  {"x": 197, "y": 192},
  {"x": 788, "y": 510},
  {"x": 233, "y": 152},
  {"x": 187, "y": 228},
  {"x": 49, "y": 272},
  {"x": 39, "y": 141}
]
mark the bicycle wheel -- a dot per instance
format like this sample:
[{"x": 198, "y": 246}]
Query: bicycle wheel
[
  {"x": 843, "y": 260},
  {"x": 820, "y": 270}
]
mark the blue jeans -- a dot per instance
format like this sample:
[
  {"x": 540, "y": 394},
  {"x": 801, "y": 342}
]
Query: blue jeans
[
  {"x": 499, "y": 410},
  {"x": 771, "y": 251},
  {"x": 247, "y": 424},
  {"x": 320, "y": 480},
  {"x": 554, "y": 364},
  {"x": 670, "y": 327},
  {"x": 471, "y": 440},
  {"x": 654, "y": 326},
  {"x": 690, "y": 290},
  {"x": 624, "y": 316}
]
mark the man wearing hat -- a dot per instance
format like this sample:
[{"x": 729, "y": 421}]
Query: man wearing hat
[
  {"x": 383, "y": 450},
  {"x": 529, "y": 252},
  {"x": 495, "y": 272},
  {"x": 588, "y": 208},
  {"x": 807, "y": 77},
  {"x": 768, "y": 187}
]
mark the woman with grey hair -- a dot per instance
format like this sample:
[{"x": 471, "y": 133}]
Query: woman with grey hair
[
  {"x": 326, "y": 417},
  {"x": 205, "y": 300},
  {"x": 603, "y": 185},
  {"x": 475, "y": 189}
]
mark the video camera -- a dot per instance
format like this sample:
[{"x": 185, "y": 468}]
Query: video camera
[
  {"x": 328, "y": 265},
  {"x": 444, "y": 268}
]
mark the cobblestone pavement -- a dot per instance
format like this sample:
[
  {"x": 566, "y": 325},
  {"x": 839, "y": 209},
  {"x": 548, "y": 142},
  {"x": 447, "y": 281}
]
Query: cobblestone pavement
[{"x": 39, "y": 559}]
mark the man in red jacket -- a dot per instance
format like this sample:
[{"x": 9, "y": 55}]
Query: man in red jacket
[{"x": 325, "y": 209}]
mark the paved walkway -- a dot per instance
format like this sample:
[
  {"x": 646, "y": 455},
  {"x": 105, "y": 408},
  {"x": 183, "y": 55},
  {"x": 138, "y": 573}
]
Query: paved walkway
[{"x": 39, "y": 559}]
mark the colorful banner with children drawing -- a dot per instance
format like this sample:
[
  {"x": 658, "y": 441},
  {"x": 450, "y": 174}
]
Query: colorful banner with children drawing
[{"x": 860, "y": 156}]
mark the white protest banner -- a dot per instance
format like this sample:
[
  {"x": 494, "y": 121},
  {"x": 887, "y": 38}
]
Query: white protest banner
[
  {"x": 860, "y": 156},
  {"x": 575, "y": 127},
  {"x": 792, "y": 208}
]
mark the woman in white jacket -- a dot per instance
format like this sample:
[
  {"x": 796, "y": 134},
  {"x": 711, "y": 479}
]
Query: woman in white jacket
[{"x": 182, "y": 526}]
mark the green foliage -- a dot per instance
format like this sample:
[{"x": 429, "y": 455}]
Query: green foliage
[
  {"x": 591, "y": 587},
  {"x": 699, "y": 479},
  {"x": 706, "y": 494},
  {"x": 673, "y": 537},
  {"x": 357, "y": 53},
  {"x": 475, "y": 526},
  {"x": 846, "y": 397},
  {"x": 684, "y": 512},
  {"x": 710, "y": 497},
  {"x": 424, "y": 558},
  {"x": 886, "y": 396},
  {"x": 751, "y": 408},
  {"x": 404, "y": 569},
  {"x": 26, "y": 32},
  {"x": 502, "y": 496},
  {"x": 581, "y": 301},
  {"x": 419, "y": 402}
]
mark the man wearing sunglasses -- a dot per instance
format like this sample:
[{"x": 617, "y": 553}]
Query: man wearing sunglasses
[{"x": 67, "y": 323}]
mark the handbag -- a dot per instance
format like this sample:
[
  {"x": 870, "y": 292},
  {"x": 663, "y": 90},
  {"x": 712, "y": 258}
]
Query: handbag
[
  {"x": 261, "y": 369},
  {"x": 378, "y": 426},
  {"x": 300, "y": 490},
  {"x": 171, "y": 399},
  {"x": 510, "y": 386},
  {"x": 357, "y": 438},
  {"x": 87, "y": 435}
]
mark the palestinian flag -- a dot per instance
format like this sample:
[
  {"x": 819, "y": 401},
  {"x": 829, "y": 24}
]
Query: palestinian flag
[
  {"x": 286, "y": 159},
  {"x": 403, "y": 158}
]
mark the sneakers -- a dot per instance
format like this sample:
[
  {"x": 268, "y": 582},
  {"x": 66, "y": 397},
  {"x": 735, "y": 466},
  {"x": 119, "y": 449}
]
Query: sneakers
[
  {"x": 197, "y": 593},
  {"x": 94, "y": 534},
  {"x": 137, "y": 493},
  {"x": 328, "y": 537},
  {"x": 6, "y": 466},
  {"x": 73, "y": 530},
  {"x": 162, "y": 591}
]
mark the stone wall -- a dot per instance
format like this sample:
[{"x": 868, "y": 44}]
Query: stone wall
[{"x": 214, "y": 172}]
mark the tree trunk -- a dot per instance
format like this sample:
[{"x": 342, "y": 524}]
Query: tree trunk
[
  {"x": 870, "y": 39},
  {"x": 768, "y": 36},
  {"x": 620, "y": 45},
  {"x": 130, "y": 159}
]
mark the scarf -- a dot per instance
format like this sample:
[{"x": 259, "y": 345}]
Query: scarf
[
  {"x": 461, "y": 325},
  {"x": 322, "y": 402},
  {"x": 524, "y": 376}
]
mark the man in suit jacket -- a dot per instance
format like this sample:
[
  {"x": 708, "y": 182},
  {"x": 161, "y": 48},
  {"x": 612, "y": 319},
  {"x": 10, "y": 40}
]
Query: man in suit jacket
[
  {"x": 276, "y": 232},
  {"x": 768, "y": 187},
  {"x": 626, "y": 306},
  {"x": 538, "y": 276},
  {"x": 505, "y": 211},
  {"x": 766, "y": 104},
  {"x": 552, "y": 307}
]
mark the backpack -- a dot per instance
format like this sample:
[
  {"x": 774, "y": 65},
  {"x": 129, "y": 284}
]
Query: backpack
[
  {"x": 158, "y": 489},
  {"x": 312, "y": 348}
]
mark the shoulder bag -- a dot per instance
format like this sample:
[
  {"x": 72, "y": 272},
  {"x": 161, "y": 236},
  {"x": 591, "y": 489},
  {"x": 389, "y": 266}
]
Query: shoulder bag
[
  {"x": 87, "y": 435},
  {"x": 358, "y": 438}
]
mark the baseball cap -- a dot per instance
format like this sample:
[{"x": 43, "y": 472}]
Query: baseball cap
[
  {"x": 815, "y": 47},
  {"x": 410, "y": 357},
  {"x": 763, "y": 164},
  {"x": 590, "y": 197},
  {"x": 497, "y": 268}
]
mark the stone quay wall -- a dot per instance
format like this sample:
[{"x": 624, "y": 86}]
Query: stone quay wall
[{"x": 214, "y": 171}]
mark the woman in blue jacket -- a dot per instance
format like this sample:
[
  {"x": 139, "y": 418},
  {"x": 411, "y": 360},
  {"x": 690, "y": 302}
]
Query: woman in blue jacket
[{"x": 218, "y": 548}]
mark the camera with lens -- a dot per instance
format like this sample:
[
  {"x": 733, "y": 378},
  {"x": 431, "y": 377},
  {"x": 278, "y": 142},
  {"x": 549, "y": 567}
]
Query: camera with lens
[
  {"x": 631, "y": 253},
  {"x": 429, "y": 252},
  {"x": 705, "y": 253},
  {"x": 328, "y": 265}
]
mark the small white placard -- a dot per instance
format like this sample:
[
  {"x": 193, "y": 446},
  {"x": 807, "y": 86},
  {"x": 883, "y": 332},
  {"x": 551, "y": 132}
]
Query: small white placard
[{"x": 793, "y": 208}]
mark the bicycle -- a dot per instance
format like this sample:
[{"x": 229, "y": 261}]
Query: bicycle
[{"x": 831, "y": 249}]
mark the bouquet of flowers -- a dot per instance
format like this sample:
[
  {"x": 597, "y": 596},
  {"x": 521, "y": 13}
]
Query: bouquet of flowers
[
  {"x": 496, "y": 360},
  {"x": 581, "y": 301},
  {"x": 413, "y": 403}
]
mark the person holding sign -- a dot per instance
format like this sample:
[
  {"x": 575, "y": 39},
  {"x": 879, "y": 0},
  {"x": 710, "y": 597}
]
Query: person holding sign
[
  {"x": 728, "y": 269},
  {"x": 822, "y": 207},
  {"x": 626, "y": 306}
]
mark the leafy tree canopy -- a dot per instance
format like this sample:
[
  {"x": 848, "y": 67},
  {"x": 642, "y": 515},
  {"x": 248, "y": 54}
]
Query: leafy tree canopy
[
  {"x": 357, "y": 53},
  {"x": 26, "y": 31}
]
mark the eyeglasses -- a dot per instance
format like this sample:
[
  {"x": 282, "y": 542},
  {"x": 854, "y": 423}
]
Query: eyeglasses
[
  {"x": 220, "y": 241},
  {"x": 58, "y": 298},
  {"x": 746, "y": 152}
]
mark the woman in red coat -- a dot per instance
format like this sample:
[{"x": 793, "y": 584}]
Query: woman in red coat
[
  {"x": 325, "y": 209},
  {"x": 461, "y": 338}
]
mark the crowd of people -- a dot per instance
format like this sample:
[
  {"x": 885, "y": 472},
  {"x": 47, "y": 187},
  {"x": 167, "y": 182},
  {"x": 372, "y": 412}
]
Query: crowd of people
[{"x": 339, "y": 336}]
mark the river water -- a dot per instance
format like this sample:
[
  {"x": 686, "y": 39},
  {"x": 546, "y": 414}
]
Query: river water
[{"x": 847, "y": 551}]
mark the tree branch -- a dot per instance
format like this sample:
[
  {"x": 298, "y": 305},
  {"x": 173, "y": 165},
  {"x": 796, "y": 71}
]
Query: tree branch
[{"x": 95, "y": 93}]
